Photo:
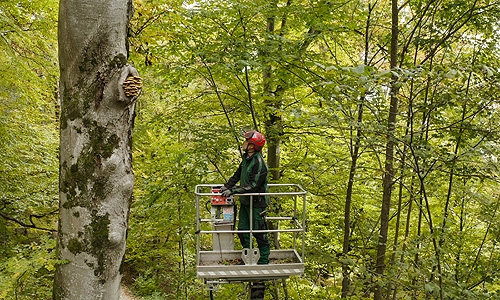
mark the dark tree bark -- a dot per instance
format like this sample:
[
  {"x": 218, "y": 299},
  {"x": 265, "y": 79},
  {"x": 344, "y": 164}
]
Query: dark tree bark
[
  {"x": 389, "y": 171},
  {"x": 98, "y": 91},
  {"x": 273, "y": 125}
]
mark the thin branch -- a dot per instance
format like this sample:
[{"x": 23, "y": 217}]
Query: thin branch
[
  {"x": 32, "y": 225},
  {"x": 482, "y": 243},
  {"x": 452, "y": 31},
  {"x": 217, "y": 168},
  {"x": 214, "y": 85},
  {"x": 250, "y": 101}
]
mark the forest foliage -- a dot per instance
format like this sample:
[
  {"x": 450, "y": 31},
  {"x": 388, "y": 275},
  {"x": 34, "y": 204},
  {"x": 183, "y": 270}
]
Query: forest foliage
[{"x": 314, "y": 77}]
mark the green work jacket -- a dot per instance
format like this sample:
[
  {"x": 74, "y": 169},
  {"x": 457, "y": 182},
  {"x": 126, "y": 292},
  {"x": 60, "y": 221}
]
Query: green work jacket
[{"x": 252, "y": 175}]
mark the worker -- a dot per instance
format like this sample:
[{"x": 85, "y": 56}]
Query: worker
[{"x": 252, "y": 175}]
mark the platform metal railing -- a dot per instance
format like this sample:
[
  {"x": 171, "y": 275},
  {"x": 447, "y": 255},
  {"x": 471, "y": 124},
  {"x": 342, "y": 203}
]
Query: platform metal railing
[{"x": 299, "y": 223}]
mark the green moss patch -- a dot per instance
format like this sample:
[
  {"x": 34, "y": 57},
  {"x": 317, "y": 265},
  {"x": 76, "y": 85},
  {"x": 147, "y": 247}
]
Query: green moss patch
[{"x": 75, "y": 247}]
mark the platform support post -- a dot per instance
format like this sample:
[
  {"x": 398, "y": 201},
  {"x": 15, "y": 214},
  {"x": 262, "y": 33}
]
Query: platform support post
[
  {"x": 257, "y": 290},
  {"x": 276, "y": 290},
  {"x": 285, "y": 288}
]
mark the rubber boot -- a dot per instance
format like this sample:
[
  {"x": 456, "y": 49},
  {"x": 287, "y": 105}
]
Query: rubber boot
[{"x": 264, "y": 255}]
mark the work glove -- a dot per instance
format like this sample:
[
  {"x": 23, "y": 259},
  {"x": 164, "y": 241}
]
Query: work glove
[
  {"x": 226, "y": 193},
  {"x": 223, "y": 188}
]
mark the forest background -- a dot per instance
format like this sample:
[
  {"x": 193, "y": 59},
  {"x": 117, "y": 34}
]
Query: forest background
[{"x": 390, "y": 124}]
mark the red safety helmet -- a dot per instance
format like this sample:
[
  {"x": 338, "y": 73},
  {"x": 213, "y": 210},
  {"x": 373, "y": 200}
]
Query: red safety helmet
[{"x": 256, "y": 138}]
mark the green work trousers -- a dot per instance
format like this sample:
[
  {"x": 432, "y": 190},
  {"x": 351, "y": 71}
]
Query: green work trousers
[{"x": 259, "y": 223}]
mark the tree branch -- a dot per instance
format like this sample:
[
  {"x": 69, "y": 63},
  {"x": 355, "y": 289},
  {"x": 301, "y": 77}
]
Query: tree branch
[{"x": 32, "y": 225}]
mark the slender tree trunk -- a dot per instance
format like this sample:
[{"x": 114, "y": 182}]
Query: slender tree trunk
[
  {"x": 350, "y": 183},
  {"x": 273, "y": 125},
  {"x": 419, "y": 229},
  {"x": 348, "y": 200},
  {"x": 182, "y": 284},
  {"x": 389, "y": 172},
  {"x": 473, "y": 266},
  {"x": 425, "y": 129},
  {"x": 96, "y": 178},
  {"x": 409, "y": 126},
  {"x": 431, "y": 229},
  {"x": 455, "y": 156},
  {"x": 398, "y": 219},
  {"x": 461, "y": 230},
  {"x": 407, "y": 233},
  {"x": 421, "y": 173},
  {"x": 409, "y": 130}
]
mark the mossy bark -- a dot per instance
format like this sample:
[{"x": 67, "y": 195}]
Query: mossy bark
[{"x": 96, "y": 178}]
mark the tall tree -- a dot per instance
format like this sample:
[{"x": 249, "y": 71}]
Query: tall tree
[
  {"x": 389, "y": 171},
  {"x": 96, "y": 178},
  {"x": 354, "y": 151}
]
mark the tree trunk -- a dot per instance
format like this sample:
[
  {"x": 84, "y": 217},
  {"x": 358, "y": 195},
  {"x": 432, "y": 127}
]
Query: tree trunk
[
  {"x": 388, "y": 179},
  {"x": 96, "y": 178},
  {"x": 455, "y": 156},
  {"x": 346, "y": 282},
  {"x": 347, "y": 207},
  {"x": 398, "y": 222},
  {"x": 273, "y": 122}
]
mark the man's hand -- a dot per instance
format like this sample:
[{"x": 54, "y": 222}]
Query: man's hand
[{"x": 226, "y": 193}]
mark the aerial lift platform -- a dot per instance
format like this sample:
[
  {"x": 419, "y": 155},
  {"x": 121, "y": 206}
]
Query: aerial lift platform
[{"x": 217, "y": 260}]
